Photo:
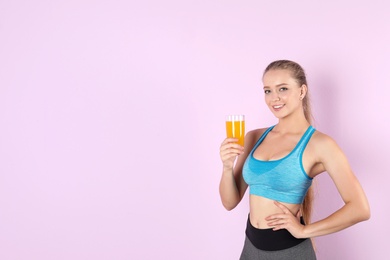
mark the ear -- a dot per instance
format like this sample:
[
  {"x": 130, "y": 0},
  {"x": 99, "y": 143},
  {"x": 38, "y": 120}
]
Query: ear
[{"x": 303, "y": 91}]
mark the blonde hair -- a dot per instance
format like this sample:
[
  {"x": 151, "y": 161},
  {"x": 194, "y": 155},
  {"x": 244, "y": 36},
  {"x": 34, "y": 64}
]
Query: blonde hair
[{"x": 299, "y": 75}]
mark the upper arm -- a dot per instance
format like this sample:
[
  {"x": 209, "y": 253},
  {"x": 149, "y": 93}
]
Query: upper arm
[{"x": 337, "y": 166}]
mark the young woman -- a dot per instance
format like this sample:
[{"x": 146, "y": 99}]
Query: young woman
[{"x": 278, "y": 164}]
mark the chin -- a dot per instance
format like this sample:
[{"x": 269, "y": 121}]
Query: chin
[{"x": 279, "y": 116}]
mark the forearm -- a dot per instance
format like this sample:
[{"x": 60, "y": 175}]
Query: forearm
[
  {"x": 345, "y": 217},
  {"x": 228, "y": 190}
]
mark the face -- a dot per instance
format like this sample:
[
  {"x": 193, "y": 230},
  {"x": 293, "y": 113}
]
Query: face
[{"x": 283, "y": 93}]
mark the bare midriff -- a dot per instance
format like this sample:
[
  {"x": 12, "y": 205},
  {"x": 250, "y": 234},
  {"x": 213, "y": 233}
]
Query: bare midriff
[{"x": 261, "y": 207}]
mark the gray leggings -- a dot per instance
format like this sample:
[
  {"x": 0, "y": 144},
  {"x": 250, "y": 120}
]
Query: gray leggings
[{"x": 302, "y": 251}]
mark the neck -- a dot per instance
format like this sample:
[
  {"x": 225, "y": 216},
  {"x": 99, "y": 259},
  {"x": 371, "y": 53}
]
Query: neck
[{"x": 295, "y": 124}]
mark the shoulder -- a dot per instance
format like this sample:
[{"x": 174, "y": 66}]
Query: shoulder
[
  {"x": 324, "y": 145},
  {"x": 256, "y": 133},
  {"x": 322, "y": 140},
  {"x": 252, "y": 136}
]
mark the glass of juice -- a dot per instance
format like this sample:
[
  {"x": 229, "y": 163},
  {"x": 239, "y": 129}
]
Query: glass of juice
[{"x": 235, "y": 127}]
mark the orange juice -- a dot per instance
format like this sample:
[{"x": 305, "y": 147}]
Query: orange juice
[{"x": 235, "y": 128}]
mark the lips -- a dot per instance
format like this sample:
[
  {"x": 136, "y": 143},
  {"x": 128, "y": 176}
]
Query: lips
[{"x": 277, "y": 107}]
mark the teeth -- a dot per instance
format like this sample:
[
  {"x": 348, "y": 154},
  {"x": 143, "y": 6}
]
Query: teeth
[{"x": 278, "y": 106}]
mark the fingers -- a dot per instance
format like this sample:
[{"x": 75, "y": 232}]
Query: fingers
[
  {"x": 286, "y": 220},
  {"x": 229, "y": 151},
  {"x": 282, "y": 207},
  {"x": 230, "y": 141},
  {"x": 279, "y": 221},
  {"x": 228, "y": 154},
  {"x": 276, "y": 217},
  {"x": 229, "y": 146}
]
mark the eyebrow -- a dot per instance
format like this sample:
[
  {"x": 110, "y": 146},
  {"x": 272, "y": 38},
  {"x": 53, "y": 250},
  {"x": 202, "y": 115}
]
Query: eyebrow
[{"x": 279, "y": 85}]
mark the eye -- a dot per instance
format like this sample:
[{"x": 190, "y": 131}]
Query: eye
[
  {"x": 283, "y": 89},
  {"x": 267, "y": 91}
]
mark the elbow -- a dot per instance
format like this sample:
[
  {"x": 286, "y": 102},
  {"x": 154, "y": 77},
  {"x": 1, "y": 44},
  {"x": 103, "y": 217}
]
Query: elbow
[
  {"x": 228, "y": 206},
  {"x": 364, "y": 214},
  {"x": 229, "y": 202},
  {"x": 360, "y": 211}
]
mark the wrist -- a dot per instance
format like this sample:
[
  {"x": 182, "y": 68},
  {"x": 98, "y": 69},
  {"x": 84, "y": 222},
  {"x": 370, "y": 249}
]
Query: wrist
[
  {"x": 305, "y": 231},
  {"x": 227, "y": 169}
]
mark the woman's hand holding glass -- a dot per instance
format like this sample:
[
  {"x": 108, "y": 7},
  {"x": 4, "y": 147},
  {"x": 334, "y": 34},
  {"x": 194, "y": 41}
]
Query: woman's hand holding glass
[{"x": 229, "y": 151}]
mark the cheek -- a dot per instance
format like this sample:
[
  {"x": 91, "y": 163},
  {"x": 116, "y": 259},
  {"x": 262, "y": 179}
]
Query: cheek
[
  {"x": 267, "y": 98},
  {"x": 283, "y": 94}
]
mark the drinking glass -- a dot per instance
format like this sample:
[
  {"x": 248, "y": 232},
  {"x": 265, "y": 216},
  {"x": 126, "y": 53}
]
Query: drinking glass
[{"x": 235, "y": 127}]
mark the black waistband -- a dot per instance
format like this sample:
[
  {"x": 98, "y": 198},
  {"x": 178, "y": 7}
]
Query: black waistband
[{"x": 269, "y": 240}]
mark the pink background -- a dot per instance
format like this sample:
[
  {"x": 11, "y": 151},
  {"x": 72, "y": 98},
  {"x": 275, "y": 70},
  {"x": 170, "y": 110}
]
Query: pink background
[{"x": 112, "y": 113}]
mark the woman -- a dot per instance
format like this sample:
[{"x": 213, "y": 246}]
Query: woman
[{"x": 278, "y": 164}]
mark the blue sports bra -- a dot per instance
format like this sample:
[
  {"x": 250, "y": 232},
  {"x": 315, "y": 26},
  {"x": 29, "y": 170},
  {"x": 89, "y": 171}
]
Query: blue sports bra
[{"x": 283, "y": 180}]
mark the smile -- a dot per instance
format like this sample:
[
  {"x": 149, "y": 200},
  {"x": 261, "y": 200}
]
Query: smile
[{"x": 278, "y": 106}]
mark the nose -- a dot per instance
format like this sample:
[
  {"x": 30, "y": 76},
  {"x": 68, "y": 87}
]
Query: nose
[{"x": 275, "y": 96}]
